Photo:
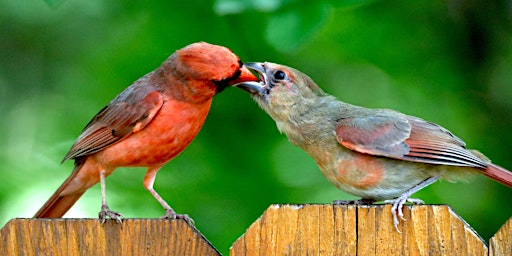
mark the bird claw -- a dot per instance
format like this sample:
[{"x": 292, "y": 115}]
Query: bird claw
[
  {"x": 171, "y": 215},
  {"x": 106, "y": 212},
  {"x": 397, "y": 208}
]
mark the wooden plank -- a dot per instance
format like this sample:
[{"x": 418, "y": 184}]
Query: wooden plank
[
  {"x": 90, "y": 237},
  {"x": 345, "y": 230},
  {"x": 501, "y": 242},
  {"x": 300, "y": 230},
  {"x": 358, "y": 230},
  {"x": 281, "y": 230}
]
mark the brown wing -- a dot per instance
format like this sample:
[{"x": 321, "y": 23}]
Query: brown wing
[
  {"x": 398, "y": 136},
  {"x": 129, "y": 112}
]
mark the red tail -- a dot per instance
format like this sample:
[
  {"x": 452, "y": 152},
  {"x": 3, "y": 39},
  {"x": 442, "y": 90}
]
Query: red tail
[
  {"x": 58, "y": 205},
  {"x": 499, "y": 174}
]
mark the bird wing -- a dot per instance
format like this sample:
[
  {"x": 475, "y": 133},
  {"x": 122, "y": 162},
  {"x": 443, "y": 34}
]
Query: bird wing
[
  {"x": 128, "y": 113},
  {"x": 403, "y": 137}
]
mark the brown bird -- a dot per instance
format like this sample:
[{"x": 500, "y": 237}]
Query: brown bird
[
  {"x": 377, "y": 154},
  {"x": 148, "y": 124}
]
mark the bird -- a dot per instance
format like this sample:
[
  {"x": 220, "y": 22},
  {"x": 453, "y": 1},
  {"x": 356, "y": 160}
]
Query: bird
[
  {"x": 148, "y": 124},
  {"x": 375, "y": 154}
]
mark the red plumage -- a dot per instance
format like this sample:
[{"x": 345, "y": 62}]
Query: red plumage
[{"x": 148, "y": 124}]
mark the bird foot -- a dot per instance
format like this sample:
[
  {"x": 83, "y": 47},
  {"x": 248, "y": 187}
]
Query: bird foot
[
  {"x": 397, "y": 208},
  {"x": 106, "y": 212},
  {"x": 171, "y": 215},
  {"x": 361, "y": 201}
]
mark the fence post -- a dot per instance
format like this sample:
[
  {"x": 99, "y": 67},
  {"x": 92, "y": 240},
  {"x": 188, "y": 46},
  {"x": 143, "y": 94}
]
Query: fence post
[
  {"x": 90, "y": 237},
  {"x": 501, "y": 242},
  {"x": 281, "y": 230},
  {"x": 358, "y": 230}
]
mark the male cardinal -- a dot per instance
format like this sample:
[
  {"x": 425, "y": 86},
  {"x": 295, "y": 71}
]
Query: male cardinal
[
  {"x": 148, "y": 124},
  {"x": 377, "y": 154}
]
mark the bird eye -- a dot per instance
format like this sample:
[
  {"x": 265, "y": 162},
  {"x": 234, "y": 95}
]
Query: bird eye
[{"x": 279, "y": 75}]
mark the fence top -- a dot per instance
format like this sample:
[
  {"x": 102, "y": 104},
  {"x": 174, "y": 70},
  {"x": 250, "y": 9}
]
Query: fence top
[
  {"x": 311, "y": 229},
  {"x": 90, "y": 237},
  {"x": 358, "y": 230}
]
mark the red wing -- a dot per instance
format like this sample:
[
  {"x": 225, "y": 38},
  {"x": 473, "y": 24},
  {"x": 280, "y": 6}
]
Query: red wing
[
  {"x": 398, "y": 136},
  {"x": 130, "y": 112}
]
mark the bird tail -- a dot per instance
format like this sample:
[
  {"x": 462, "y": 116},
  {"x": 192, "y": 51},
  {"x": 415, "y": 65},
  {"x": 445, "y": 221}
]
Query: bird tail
[
  {"x": 58, "y": 205},
  {"x": 499, "y": 174}
]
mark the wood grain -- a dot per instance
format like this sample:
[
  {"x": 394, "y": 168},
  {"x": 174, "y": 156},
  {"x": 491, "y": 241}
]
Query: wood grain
[
  {"x": 501, "y": 242},
  {"x": 321, "y": 229},
  {"x": 90, "y": 237},
  {"x": 358, "y": 230}
]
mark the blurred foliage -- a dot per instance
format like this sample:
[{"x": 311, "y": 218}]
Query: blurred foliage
[{"x": 446, "y": 61}]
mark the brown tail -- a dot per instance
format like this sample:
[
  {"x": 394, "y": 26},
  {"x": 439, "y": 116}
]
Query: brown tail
[
  {"x": 58, "y": 205},
  {"x": 499, "y": 174}
]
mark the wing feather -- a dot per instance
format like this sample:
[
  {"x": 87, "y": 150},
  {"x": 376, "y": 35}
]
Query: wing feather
[
  {"x": 130, "y": 112},
  {"x": 403, "y": 137}
]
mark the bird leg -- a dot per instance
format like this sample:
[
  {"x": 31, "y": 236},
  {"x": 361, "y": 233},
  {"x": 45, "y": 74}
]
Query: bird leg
[
  {"x": 149, "y": 180},
  {"x": 399, "y": 202},
  {"x": 105, "y": 210}
]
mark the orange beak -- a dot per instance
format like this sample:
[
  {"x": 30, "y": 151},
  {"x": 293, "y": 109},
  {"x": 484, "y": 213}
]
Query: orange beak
[
  {"x": 254, "y": 87},
  {"x": 245, "y": 76}
]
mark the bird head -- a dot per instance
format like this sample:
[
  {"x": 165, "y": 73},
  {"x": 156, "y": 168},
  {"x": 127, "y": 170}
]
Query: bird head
[
  {"x": 217, "y": 65},
  {"x": 280, "y": 87}
]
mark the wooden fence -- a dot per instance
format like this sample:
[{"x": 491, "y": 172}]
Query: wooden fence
[{"x": 281, "y": 230}]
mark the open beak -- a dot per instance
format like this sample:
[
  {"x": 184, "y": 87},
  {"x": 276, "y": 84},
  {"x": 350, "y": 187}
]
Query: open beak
[
  {"x": 254, "y": 87},
  {"x": 245, "y": 76}
]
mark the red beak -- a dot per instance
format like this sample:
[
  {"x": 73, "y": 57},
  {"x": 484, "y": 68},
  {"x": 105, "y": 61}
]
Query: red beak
[{"x": 245, "y": 76}]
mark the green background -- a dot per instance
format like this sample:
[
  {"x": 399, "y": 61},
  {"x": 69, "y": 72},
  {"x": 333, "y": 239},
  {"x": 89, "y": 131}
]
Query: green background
[{"x": 448, "y": 62}]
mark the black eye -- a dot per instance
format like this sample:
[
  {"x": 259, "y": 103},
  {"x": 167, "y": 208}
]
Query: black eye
[{"x": 279, "y": 75}]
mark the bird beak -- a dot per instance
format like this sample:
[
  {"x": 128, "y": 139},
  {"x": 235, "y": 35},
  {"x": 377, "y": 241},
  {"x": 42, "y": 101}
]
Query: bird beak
[
  {"x": 256, "y": 67},
  {"x": 254, "y": 87},
  {"x": 245, "y": 76}
]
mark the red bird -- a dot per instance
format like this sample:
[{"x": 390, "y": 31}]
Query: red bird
[
  {"x": 377, "y": 154},
  {"x": 148, "y": 124}
]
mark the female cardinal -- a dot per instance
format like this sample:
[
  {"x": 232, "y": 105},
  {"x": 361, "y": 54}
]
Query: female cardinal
[
  {"x": 148, "y": 124},
  {"x": 377, "y": 154}
]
